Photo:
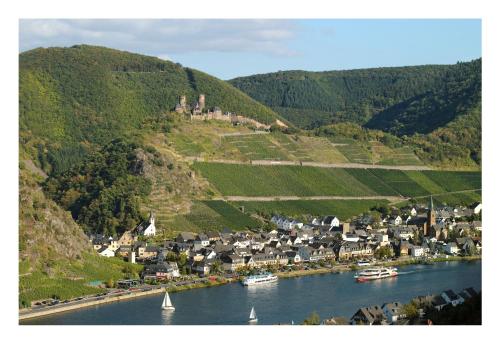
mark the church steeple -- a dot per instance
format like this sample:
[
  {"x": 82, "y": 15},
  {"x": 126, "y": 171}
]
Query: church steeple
[{"x": 431, "y": 218}]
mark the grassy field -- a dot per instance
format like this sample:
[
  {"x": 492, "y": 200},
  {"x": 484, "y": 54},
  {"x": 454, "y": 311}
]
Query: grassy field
[
  {"x": 232, "y": 179},
  {"x": 455, "y": 180},
  {"x": 368, "y": 178},
  {"x": 384, "y": 155},
  {"x": 69, "y": 280},
  {"x": 211, "y": 215},
  {"x": 248, "y": 180},
  {"x": 356, "y": 153},
  {"x": 425, "y": 182},
  {"x": 319, "y": 149},
  {"x": 465, "y": 199},
  {"x": 400, "y": 182},
  {"x": 257, "y": 147},
  {"x": 344, "y": 209}
]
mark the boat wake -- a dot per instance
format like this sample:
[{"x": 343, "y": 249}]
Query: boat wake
[{"x": 407, "y": 272}]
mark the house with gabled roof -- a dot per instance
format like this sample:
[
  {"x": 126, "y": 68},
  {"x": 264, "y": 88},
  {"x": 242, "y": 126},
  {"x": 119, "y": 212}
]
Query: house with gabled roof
[
  {"x": 106, "y": 252},
  {"x": 393, "y": 311},
  {"x": 369, "y": 316},
  {"x": 147, "y": 227},
  {"x": 452, "y": 298}
]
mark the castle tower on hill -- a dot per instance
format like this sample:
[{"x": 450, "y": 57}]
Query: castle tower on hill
[
  {"x": 431, "y": 218},
  {"x": 201, "y": 101},
  {"x": 181, "y": 107}
]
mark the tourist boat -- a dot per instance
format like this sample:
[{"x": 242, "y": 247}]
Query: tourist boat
[
  {"x": 167, "y": 303},
  {"x": 253, "y": 316},
  {"x": 376, "y": 273},
  {"x": 259, "y": 279}
]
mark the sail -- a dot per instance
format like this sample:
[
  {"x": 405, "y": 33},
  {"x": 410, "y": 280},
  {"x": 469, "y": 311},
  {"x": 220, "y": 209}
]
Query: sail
[
  {"x": 252, "y": 314},
  {"x": 167, "y": 302}
]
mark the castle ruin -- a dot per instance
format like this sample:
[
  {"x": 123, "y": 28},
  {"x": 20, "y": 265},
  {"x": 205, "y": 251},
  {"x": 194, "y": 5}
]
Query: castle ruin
[{"x": 196, "y": 113}]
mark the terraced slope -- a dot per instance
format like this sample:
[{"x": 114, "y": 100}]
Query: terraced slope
[
  {"x": 343, "y": 209},
  {"x": 303, "y": 181},
  {"x": 234, "y": 179}
]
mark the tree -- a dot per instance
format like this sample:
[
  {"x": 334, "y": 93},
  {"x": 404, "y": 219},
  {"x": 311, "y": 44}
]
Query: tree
[
  {"x": 383, "y": 252},
  {"x": 182, "y": 260},
  {"x": 312, "y": 319},
  {"x": 216, "y": 267},
  {"x": 410, "y": 310},
  {"x": 110, "y": 283}
]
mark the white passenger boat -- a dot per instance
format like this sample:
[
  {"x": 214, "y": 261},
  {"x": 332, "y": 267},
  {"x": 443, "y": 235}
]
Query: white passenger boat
[
  {"x": 259, "y": 279},
  {"x": 376, "y": 273}
]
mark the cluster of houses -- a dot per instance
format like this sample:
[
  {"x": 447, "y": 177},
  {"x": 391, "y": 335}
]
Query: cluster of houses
[
  {"x": 415, "y": 232},
  {"x": 394, "y": 313}
]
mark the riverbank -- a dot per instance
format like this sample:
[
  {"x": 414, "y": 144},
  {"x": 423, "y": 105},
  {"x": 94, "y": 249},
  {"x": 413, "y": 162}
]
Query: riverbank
[
  {"x": 25, "y": 314},
  {"x": 30, "y": 313},
  {"x": 353, "y": 267},
  {"x": 230, "y": 304}
]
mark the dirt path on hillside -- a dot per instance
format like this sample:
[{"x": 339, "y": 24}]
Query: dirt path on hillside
[
  {"x": 391, "y": 198},
  {"x": 446, "y": 193},
  {"x": 239, "y": 134},
  {"x": 314, "y": 164}
]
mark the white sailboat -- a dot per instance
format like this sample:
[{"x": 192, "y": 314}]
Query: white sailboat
[
  {"x": 167, "y": 304},
  {"x": 253, "y": 316}
]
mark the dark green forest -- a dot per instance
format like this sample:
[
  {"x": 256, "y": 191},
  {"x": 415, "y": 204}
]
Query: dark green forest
[
  {"x": 78, "y": 98},
  {"x": 103, "y": 192},
  {"x": 435, "y": 109},
  {"x": 357, "y": 95}
]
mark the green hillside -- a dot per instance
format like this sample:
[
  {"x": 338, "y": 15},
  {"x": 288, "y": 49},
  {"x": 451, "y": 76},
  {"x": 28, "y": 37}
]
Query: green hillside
[
  {"x": 56, "y": 259},
  {"x": 433, "y": 109},
  {"x": 76, "y": 98},
  {"x": 459, "y": 93},
  {"x": 251, "y": 180},
  {"x": 356, "y": 95}
]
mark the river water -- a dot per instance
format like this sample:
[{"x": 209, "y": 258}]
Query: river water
[{"x": 282, "y": 302}]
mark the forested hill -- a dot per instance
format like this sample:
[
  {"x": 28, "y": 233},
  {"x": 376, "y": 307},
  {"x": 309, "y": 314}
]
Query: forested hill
[
  {"x": 75, "y": 98},
  {"x": 395, "y": 99}
]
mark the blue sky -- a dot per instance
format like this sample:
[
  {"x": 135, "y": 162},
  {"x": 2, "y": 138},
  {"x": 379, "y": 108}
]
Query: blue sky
[{"x": 231, "y": 48}]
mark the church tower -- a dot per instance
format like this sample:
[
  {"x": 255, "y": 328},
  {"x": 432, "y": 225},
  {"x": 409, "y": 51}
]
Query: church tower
[{"x": 431, "y": 218}]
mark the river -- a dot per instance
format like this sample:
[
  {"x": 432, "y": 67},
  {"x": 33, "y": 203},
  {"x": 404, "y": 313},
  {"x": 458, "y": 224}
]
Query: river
[{"x": 280, "y": 302}]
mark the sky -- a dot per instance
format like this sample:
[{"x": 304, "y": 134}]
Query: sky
[{"x": 232, "y": 48}]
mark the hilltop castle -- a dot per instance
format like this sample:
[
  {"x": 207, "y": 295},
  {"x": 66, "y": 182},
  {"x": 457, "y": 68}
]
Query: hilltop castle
[
  {"x": 196, "y": 112},
  {"x": 196, "y": 109}
]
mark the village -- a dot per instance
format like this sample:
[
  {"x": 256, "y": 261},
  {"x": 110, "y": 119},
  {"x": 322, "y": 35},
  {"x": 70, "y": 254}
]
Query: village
[{"x": 416, "y": 233}]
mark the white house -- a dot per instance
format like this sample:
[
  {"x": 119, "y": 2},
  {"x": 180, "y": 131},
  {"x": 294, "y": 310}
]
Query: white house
[
  {"x": 451, "y": 248},
  {"x": 147, "y": 228},
  {"x": 331, "y": 221},
  {"x": 417, "y": 251},
  {"x": 452, "y": 298},
  {"x": 477, "y": 207},
  {"x": 413, "y": 212},
  {"x": 202, "y": 240},
  {"x": 382, "y": 239},
  {"x": 396, "y": 220},
  {"x": 393, "y": 311},
  {"x": 106, "y": 252}
]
